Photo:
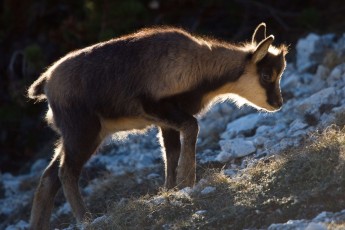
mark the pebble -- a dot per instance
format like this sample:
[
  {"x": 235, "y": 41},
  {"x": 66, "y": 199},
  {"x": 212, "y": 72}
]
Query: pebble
[
  {"x": 158, "y": 200},
  {"x": 153, "y": 176},
  {"x": 201, "y": 212},
  {"x": 230, "y": 172},
  {"x": 241, "y": 126},
  {"x": 208, "y": 190}
]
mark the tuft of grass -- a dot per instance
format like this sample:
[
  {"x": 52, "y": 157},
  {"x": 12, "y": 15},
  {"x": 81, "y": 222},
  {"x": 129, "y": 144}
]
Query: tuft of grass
[
  {"x": 112, "y": 189},
  {"x": 336, "y": 226},
  {"x": 297, "y": 184}
]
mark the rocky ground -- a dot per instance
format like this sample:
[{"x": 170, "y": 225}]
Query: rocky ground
[{"x": 314, "y": 93}]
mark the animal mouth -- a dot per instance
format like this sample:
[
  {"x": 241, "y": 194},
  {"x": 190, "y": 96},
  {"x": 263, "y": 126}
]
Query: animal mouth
[
  {"x": 275, "y": 106},
  {"x": 271, "y": 108}
]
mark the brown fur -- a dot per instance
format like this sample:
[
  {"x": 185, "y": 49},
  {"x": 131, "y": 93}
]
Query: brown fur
[{"x": 161, "y": 76}]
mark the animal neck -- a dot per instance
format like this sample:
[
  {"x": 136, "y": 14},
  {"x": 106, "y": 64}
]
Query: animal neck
[
  {"x": 225, "y": 64},
  {"x": 221, "y": 68}
]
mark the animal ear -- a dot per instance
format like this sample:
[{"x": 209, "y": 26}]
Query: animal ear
[
  {"x": 259, "y": 33},
  {"x": 262, "y": 49}
]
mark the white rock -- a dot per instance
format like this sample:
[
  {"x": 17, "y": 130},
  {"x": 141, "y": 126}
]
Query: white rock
[
  {"x": 310, "y": 50},
  {"x": 39, "y": 166},
  {"x": 305, "y": 48},
  {"x": 261, "y": 153},
  {"x": 342, "y": 90},
  {"x": 64, "y": 209},
  {"x": 230, "y": 172},
  {"x": 235, "y": 148},
  {"x": 186, "y": 190},
  {"x": 285, "y": 143},
  {"x": 201, "y": 212},
  {"x": 281, "y": 135},
  {"x": 335, "y": 78},
  {"x": 263, "y": 130},
  {"x": 241, "y": 126},
  {"x": 166, "y": 226},
  {"x": 340, "y": 45},
  {"x": 202, "y": 182},
  {"x": 339, "y": 110},
  {"x": 223, "y": 156},
  {"x": 322, "y": 72},
  {"x": 123, "y": 201},
  {"x": 297, "y": 125},
  {"x": 184, "y": 193},
  {"x": 139, "y": 180},
  {"x": 158, "y": 200},
  {"x": 316, "y": 226},
  {"x": 153, "y": 176},
  {"x": 259, "y": 141},
  {"x": 21, "y": 225},
  {"x": 336, "y": 72},
  {"x": 176, "y": 203},
  {"x": 290, "y": 83},
  {"x": 322, "y": 216},
  {"x": 318, "y": 223},
  {"x": 312, "y": 104},
  {"x": 208, "y": 190},
  {"x": 327, "y": 120},
  {"x": 299, "y": 133},
  {"x": 100, "y": 219},
  {"x": 291, "y": 224}
]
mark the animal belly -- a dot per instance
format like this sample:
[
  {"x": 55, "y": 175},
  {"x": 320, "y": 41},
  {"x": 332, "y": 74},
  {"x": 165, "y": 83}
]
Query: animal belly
[{"x": 110, "y": 126}]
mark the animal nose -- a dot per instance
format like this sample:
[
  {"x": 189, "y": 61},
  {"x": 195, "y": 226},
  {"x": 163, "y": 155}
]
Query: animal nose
[
  {"x": 276, "y": 103},
  {"x": 279, "y": 103}
]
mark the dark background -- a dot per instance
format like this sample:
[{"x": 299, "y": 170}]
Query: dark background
[{"x": 34, "y": 34}]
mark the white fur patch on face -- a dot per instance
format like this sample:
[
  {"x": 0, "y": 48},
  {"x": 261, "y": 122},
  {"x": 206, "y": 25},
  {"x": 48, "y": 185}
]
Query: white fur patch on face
[{"x": 250, "y": 91}]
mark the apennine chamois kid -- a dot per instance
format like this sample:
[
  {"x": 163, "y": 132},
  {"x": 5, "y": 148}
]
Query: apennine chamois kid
[{"x": 159, "y": 76}]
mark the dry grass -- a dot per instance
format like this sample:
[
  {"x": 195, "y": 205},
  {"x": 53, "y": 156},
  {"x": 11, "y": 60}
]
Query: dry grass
[
  {"x": 297, "y": 184},
  {"x": 336, "y": 226}
]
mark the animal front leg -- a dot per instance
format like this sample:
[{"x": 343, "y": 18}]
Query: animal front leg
[
  {"x": 172, "y": 146},
  {"x": 169, "y": 116},
  {"x": 186, "y": 169}
]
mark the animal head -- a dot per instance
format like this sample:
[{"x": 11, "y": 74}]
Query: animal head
[{"x": 260, "y": 83}]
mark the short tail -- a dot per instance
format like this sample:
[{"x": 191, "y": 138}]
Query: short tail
[{"x": 36, "y": 90}]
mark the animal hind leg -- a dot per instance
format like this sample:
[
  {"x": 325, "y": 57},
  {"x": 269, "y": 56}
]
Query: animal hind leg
[
  {"x": 45, "y": 193},
  {"x": 80, "y": 142}
]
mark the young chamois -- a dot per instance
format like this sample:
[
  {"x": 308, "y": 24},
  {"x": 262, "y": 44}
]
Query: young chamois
[{"x": 160, "y": 76}]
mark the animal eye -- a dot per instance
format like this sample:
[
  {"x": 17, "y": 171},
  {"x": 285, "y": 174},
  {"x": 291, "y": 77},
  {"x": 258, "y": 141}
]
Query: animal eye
[{"x": 266, "y": 77}]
